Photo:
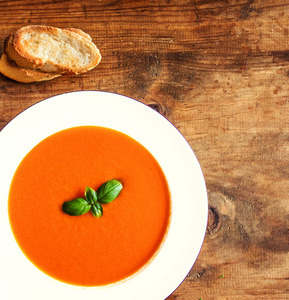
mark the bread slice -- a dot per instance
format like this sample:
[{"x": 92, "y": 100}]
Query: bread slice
[
  {"x": 53, "y": 50},
  {"x": 9, "y": 69}
]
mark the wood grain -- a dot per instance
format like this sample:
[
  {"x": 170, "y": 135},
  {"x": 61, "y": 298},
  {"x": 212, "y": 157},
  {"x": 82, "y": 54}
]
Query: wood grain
[{"x": 219, "y": 71}]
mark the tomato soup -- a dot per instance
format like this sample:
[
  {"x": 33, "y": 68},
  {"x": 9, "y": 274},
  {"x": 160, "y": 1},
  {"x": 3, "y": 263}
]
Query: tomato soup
[{"x": 84, "y": 250}]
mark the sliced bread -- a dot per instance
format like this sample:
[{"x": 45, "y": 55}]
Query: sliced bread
[
  {"x": 9, "y": 69},
  {"x": 53, "y": 50}
]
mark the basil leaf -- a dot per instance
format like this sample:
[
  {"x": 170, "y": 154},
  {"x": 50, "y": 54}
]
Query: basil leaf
[
  {"x": 96, "y": 209},
  {"x": 108, "y": 191},
  {"x": 76, "y": 207},
  {"x": 90, "y": 195}
]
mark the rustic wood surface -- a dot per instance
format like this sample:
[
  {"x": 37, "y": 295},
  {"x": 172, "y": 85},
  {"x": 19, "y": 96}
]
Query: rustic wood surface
[{"x": 219, "y": 71}]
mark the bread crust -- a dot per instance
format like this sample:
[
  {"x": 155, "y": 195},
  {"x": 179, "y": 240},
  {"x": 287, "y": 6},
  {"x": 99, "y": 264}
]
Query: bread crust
[
  {"x": 9, "y": 69},
  {"x": 53, "y": 50},
  {"x": 80, "y": 32}
]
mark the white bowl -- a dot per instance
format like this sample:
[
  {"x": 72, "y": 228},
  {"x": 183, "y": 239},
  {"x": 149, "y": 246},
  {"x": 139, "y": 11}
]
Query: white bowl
[{"x": 20, "y": 279}]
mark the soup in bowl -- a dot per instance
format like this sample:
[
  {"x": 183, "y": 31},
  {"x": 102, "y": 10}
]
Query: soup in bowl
[
  {"x": 144, "y": 242},
  {"x": 83, "y": 250}
]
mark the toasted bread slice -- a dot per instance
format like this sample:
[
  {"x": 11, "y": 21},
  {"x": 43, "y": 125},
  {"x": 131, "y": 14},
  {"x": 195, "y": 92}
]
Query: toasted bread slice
[
  {"x": 50, "y": 49},
  {"x": 9, "y": 69}
]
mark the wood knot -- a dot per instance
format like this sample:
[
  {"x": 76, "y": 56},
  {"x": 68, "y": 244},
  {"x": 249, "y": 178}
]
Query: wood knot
[
  {"x": 161, "y": 109},
  {"x": 213, "y": 221}
]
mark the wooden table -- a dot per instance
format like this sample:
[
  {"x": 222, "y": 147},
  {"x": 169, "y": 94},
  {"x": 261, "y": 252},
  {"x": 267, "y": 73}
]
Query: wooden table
[{"x": 219, "y": 71}]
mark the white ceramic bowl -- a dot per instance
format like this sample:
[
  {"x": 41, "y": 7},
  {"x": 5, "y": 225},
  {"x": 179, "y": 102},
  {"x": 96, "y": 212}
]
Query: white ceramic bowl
[{"x": 20, "y": 279}]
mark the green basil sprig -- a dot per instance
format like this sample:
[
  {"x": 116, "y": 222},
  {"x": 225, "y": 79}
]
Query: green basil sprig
[{"x": 106, "y": 193}]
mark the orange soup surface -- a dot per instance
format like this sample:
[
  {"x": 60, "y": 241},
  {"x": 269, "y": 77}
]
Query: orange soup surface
[{"x": 84, "y": 250}]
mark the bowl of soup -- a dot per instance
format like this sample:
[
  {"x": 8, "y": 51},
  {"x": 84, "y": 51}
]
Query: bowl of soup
[{"x": 146, "y": 240}]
